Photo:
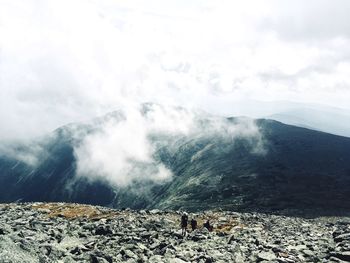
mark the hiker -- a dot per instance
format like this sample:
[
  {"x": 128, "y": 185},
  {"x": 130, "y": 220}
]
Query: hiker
[
  {"x": 184, "y": 222},
  {"x": 194, "y": 224},
  {"x": 208, "y": 226}
]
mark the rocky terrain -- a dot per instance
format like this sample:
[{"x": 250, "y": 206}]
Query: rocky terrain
[{"x": 59, "y": 232}]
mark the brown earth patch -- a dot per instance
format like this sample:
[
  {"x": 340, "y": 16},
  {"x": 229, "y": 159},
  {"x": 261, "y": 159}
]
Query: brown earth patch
[{"x": 73, "y": 211}]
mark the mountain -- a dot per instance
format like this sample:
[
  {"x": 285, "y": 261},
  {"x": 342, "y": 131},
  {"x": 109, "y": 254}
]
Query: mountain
[
  {"x": 308, "y": 115},
  {"x": 287, "y": 168},
  {"x": 328, "y": 121}
]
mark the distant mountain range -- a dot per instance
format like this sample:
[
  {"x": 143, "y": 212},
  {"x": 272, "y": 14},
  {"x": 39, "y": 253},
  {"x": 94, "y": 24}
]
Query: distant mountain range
[
  {"x": 315, "y": 116},
  {"x": 298, "y": 169},
  {"x": 335, "y": 122}
]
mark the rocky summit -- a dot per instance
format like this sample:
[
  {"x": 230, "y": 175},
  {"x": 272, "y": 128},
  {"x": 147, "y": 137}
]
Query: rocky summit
[{"x": 60, "y": 232}]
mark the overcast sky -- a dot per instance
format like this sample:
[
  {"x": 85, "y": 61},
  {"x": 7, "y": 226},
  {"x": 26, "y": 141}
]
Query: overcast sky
[{"x": 69, "y": 60}]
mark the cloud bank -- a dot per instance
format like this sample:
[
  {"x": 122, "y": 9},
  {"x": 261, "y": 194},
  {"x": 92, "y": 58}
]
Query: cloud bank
[
  {"x": 64, "y": 61},
  {"x": 123, "y": 149},
  {"x": 69, "y": 61}
]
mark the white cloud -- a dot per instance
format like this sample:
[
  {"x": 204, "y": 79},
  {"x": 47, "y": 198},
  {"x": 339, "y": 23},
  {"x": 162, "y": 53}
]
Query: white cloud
[
  {"x": 28, "y": 152},
  {"x": 122, "y": 150},
  {"x": 67, "y": 61}
]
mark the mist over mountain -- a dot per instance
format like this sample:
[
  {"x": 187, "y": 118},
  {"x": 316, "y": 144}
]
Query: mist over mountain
[
  {"x": 199, "y": 162},
  {"x": 117, "y": 117}
]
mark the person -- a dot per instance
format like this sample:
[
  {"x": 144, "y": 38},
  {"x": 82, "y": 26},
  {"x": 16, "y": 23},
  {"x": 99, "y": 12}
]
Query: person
[
  {"x": 193, "y": 224},
  {"x": 184, "y": 222},
  {"x": 208, "y": 226}
]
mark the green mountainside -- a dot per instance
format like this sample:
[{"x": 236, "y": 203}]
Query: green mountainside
[{"x": 298, "y": 169}]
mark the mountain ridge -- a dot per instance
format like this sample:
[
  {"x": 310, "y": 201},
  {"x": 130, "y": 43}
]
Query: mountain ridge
[{"x": 301, "y": 170}]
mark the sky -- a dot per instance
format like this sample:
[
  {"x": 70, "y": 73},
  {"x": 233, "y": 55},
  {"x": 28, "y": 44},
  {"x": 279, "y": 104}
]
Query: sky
[{"x": 67, "y": 61}]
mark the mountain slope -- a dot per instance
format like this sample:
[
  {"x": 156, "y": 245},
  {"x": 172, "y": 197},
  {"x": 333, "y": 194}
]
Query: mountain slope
[
  {"x": 302, "y": 169},
  {"x": 297, "y": 169}
]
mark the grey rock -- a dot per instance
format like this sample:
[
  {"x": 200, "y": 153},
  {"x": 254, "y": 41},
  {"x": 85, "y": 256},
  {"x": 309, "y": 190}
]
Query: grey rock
[
  {"x": 308, "y": 253},
  {"x": 95, "y": 259},
  {"x": 345, "y": 256},
  {"x": 342, "y": 237},
  {"x": 176, "y": 260},
  {"x": 267, "y": 255},
  {"x": 28, "y": 235},
  {"x": 103, "y": 230}
]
